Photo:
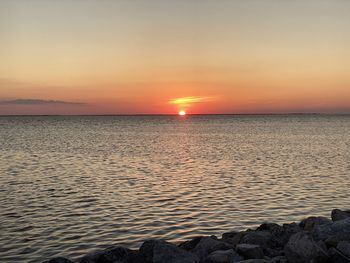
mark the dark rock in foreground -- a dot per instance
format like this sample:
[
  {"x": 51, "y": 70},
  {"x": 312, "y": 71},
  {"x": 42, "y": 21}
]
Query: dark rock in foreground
[{"x": 314, "y": 240}]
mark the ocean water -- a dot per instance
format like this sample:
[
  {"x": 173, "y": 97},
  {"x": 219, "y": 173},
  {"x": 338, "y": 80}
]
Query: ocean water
[{"x": 72, "y": 185}]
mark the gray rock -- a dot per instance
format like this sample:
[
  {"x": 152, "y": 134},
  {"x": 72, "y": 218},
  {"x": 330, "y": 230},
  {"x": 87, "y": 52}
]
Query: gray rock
[
  {"x": 261, "y": 238},
  {"x": 280, "y": 234},
  {"x": 250, "y": 251},
  {"x": 58, "y": 260},
  {"x": 333, "y": 233},
  {"x": 338, "y": 214},
  {"x": 229, "y": 235},
  {"x": 109, "y": 255},
  {"x": 190, "y": 244},
  {"x": 223, "y": 256},
  {"x": 279, "y": 259},
  {"x": 253, "y": 261},
  {"x": 336, "y": 256},
  {"x": 270, "y": 252},
  {"x": 207, "y": 245},
  {"x": 272, "y": 227},
  {"x": 344, "y": 248},
  {"x": 156, "y": 251},
  {"x": 309, "y": 223},
  {"x": 235, "y": 239},
  {"x": 301, "y": 248}
]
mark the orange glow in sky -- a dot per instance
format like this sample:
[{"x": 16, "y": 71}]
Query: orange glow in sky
[{"x": 133, "y": 57}]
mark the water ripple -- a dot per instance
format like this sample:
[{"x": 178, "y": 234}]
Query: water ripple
[{"x": 71, "y": 185}]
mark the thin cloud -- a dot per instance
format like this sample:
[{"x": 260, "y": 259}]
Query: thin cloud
[
  {"x": 39, "y": 102},
  {"x": 190, "y": 100}
]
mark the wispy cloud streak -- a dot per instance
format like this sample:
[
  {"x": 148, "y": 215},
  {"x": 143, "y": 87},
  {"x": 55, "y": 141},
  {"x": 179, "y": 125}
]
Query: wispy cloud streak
[
  {"x": 190, "y": 100},
  {"x": 39, "y": 102}
]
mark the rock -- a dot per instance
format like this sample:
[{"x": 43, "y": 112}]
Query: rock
[
  {"x": 229, "y": 235},
  {"x": 344, "y": 248},
  {"x": 223, "y": 256},
  {"x": 207, "y": 245},
  {"x": 156, "y": 251},
  {"x": 261, "y": 238},
  {"x": 288, "y": 231},
  {"x": 270, "y": 252},
  {"x": 279, "y": 259},
  {"x": 333, "y": 233},
  {"x": 272, "y": 227},
  {"x": 235, "y": 239},
  {"x": 253, "y": 261},
  {"x": 301, "y": 248},
  {"x": 336, "y": 256},
  {"x": 249, "y": 251},
  {"x": 191, "y": 244},
  {"x": 338, "y": 214},
  {"x": 109, "y": 255},
  {"x": 309, "y": 223},
  {"x": 58, "y": 260}
]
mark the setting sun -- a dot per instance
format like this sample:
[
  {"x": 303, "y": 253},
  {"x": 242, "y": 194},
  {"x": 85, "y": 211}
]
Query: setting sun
[{"x": 182, "y": 113}]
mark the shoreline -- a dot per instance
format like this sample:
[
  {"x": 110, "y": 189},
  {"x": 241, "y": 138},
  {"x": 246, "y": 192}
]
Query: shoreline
[{"x": 315, "y": 239}]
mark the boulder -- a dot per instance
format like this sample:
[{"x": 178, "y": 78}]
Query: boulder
[
  {"x": 288, "y": 231},
  {"x": 190, "y": 244},
  {"x": 333, "y": 233},
  {"x": 110, "y": 255},
  {"x": 338, "y": 214},
  {"x": 344, "y": 248},
  {"x": 270, "y": 252},
  {"x": 301, "y": 248},
  {"x": 207, "y": 245},
  {"x": 229, "y": 235},
  {"x": 253, "y": 261},
  {"x": 223, "y": 256},
  {"x": 272, "y": 227},
  {"x": 58, "y": 260},
  {"x": 309, "y": 223},
  {"x": 249, "y": 251},
  {"x": 261, "y": 238},
  {"x": 335, "y": 256},
  {"x": 156, "y": 251},
  {"x": 279, "y": 259},
  {"x": 234, "y": 239}
]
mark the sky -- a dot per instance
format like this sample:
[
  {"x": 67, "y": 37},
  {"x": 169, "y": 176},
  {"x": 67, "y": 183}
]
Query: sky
[{"x": 162, "y": 56}]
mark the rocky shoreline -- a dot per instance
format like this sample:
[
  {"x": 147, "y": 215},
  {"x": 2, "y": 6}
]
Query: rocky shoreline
[{"x": 315, "y": 239}]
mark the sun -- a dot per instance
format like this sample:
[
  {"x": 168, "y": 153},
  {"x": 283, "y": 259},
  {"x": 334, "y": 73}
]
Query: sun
[{"x": 182, "y": 113}]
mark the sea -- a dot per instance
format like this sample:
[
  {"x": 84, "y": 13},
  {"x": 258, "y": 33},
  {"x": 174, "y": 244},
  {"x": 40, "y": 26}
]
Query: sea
[{"x": 70, "y": 185}]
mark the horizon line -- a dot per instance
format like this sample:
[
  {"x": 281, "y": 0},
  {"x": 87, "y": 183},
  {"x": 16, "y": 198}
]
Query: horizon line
[{"x": 174, "y": 114}]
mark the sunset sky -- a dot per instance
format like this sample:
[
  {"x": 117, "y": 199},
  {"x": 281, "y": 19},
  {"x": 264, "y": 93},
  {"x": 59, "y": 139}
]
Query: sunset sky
[{"x": 159, "y": 57}]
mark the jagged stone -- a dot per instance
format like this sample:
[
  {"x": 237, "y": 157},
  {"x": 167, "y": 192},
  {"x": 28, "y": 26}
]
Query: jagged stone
[
  {"x": 58, "y": 260},
  {"x": 190, "y": 244},
  {"x": 109, "y": 255},
  {"x": 338, "y": 214},
  {"x": 250, "y": 251},
  {"x": 309, "y": 223},
  {"x": 207, "y": 245},
  {"x": 301, "y": 248},
  {"x": 344, "y": 248},
  {"x": 229, "y": 235},
  {"x": 335, "y": 256},
  {"x": 236, "y": 239},
  {"x": 261, "y": 238},
  {"x": 156, "y": 251},
  {"x": 223, "y": 256},
  {"x": 333, "y": 233}
]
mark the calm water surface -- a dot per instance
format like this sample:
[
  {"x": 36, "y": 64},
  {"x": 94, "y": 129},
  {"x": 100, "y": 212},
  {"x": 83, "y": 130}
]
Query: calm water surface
[{"x": 71, "y": 185}]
